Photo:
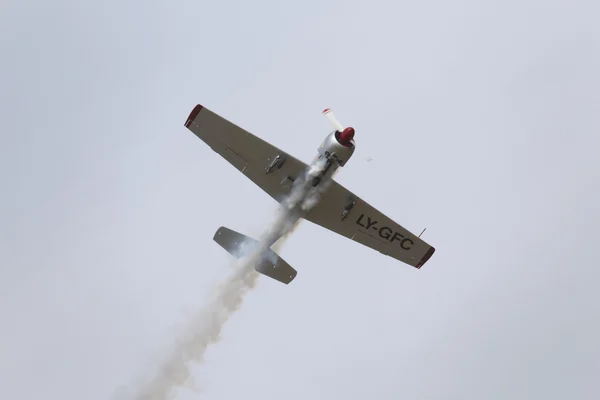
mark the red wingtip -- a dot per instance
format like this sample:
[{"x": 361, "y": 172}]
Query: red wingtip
[
  {"x": 426, "y": 257},
  {"x": 193, "y": 115}
]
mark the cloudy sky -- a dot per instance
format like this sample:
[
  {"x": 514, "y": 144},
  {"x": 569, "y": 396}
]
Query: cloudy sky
[{"x": 481, "y": 119}]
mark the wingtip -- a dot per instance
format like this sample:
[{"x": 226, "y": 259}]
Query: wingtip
[
  {"x": 193, "y": 115},
  {"x": 426, "y": 257}
]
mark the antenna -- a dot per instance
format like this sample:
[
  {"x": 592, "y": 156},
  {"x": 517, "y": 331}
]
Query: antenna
[{"x": 422, "y": 232}]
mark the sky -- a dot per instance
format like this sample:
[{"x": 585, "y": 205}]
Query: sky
[{"x": 479, "y": 117}]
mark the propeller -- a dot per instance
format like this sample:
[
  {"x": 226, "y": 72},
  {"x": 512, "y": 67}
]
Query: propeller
[
  {"x": 334, "y": 121},
  {"x": 346, "y": 134}
]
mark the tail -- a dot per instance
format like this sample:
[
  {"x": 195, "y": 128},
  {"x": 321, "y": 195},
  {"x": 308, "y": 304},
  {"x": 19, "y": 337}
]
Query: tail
[{"x": 239, "y": 245}]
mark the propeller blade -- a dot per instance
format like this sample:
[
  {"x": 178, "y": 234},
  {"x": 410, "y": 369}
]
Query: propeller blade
[{"x": 331, "y": 117}]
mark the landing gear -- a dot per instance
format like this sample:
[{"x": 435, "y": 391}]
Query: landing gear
[
  {"x": 276, "y": 163},
  {"x": 348, "y": 207}
]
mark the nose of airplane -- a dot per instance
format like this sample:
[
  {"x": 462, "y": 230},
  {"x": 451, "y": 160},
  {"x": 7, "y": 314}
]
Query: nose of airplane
[{"x": 347, "y": 134}]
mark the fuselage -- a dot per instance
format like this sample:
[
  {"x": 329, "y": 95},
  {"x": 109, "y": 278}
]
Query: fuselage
[{"x": 334, "y": 152}]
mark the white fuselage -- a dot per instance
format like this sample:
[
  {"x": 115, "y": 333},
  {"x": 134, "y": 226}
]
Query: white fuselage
[{"x": 306, "y": 190}]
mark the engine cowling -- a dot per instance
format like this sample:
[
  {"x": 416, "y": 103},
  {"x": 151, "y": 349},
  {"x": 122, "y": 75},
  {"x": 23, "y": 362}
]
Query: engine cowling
[{"x": 339, "y": 146}]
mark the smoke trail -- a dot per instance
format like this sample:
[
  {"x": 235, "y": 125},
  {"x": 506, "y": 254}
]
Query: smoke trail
[{"x": 205, "y": 328}]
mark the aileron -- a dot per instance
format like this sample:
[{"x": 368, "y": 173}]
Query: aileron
[
  {"x": 365, "y": 224},
  {"x": 264, "y": 164}
]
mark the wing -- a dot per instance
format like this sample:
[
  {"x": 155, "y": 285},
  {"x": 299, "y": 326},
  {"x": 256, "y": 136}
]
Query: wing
[
  {"x": 364, "y": 224},
  {"x": 270, "y": 168}
]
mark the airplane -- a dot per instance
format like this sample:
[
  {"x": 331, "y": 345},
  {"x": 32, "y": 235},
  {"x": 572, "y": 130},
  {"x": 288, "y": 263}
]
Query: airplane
[{"x": 277, "y": 172}]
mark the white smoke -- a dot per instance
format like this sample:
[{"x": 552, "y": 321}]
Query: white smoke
[{"x": 206, "y": 326}]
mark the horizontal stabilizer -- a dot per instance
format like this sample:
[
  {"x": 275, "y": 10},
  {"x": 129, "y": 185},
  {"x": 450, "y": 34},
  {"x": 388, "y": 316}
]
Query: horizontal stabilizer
[{"x": 270, "y": 264}]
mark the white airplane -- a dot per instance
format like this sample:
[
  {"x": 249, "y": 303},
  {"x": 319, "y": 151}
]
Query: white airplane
[{"x": 276, "y": 172}]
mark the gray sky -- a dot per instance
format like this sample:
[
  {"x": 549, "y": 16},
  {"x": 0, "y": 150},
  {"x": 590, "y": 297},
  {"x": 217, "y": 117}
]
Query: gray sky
[{"x": 482, "y": 121}]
